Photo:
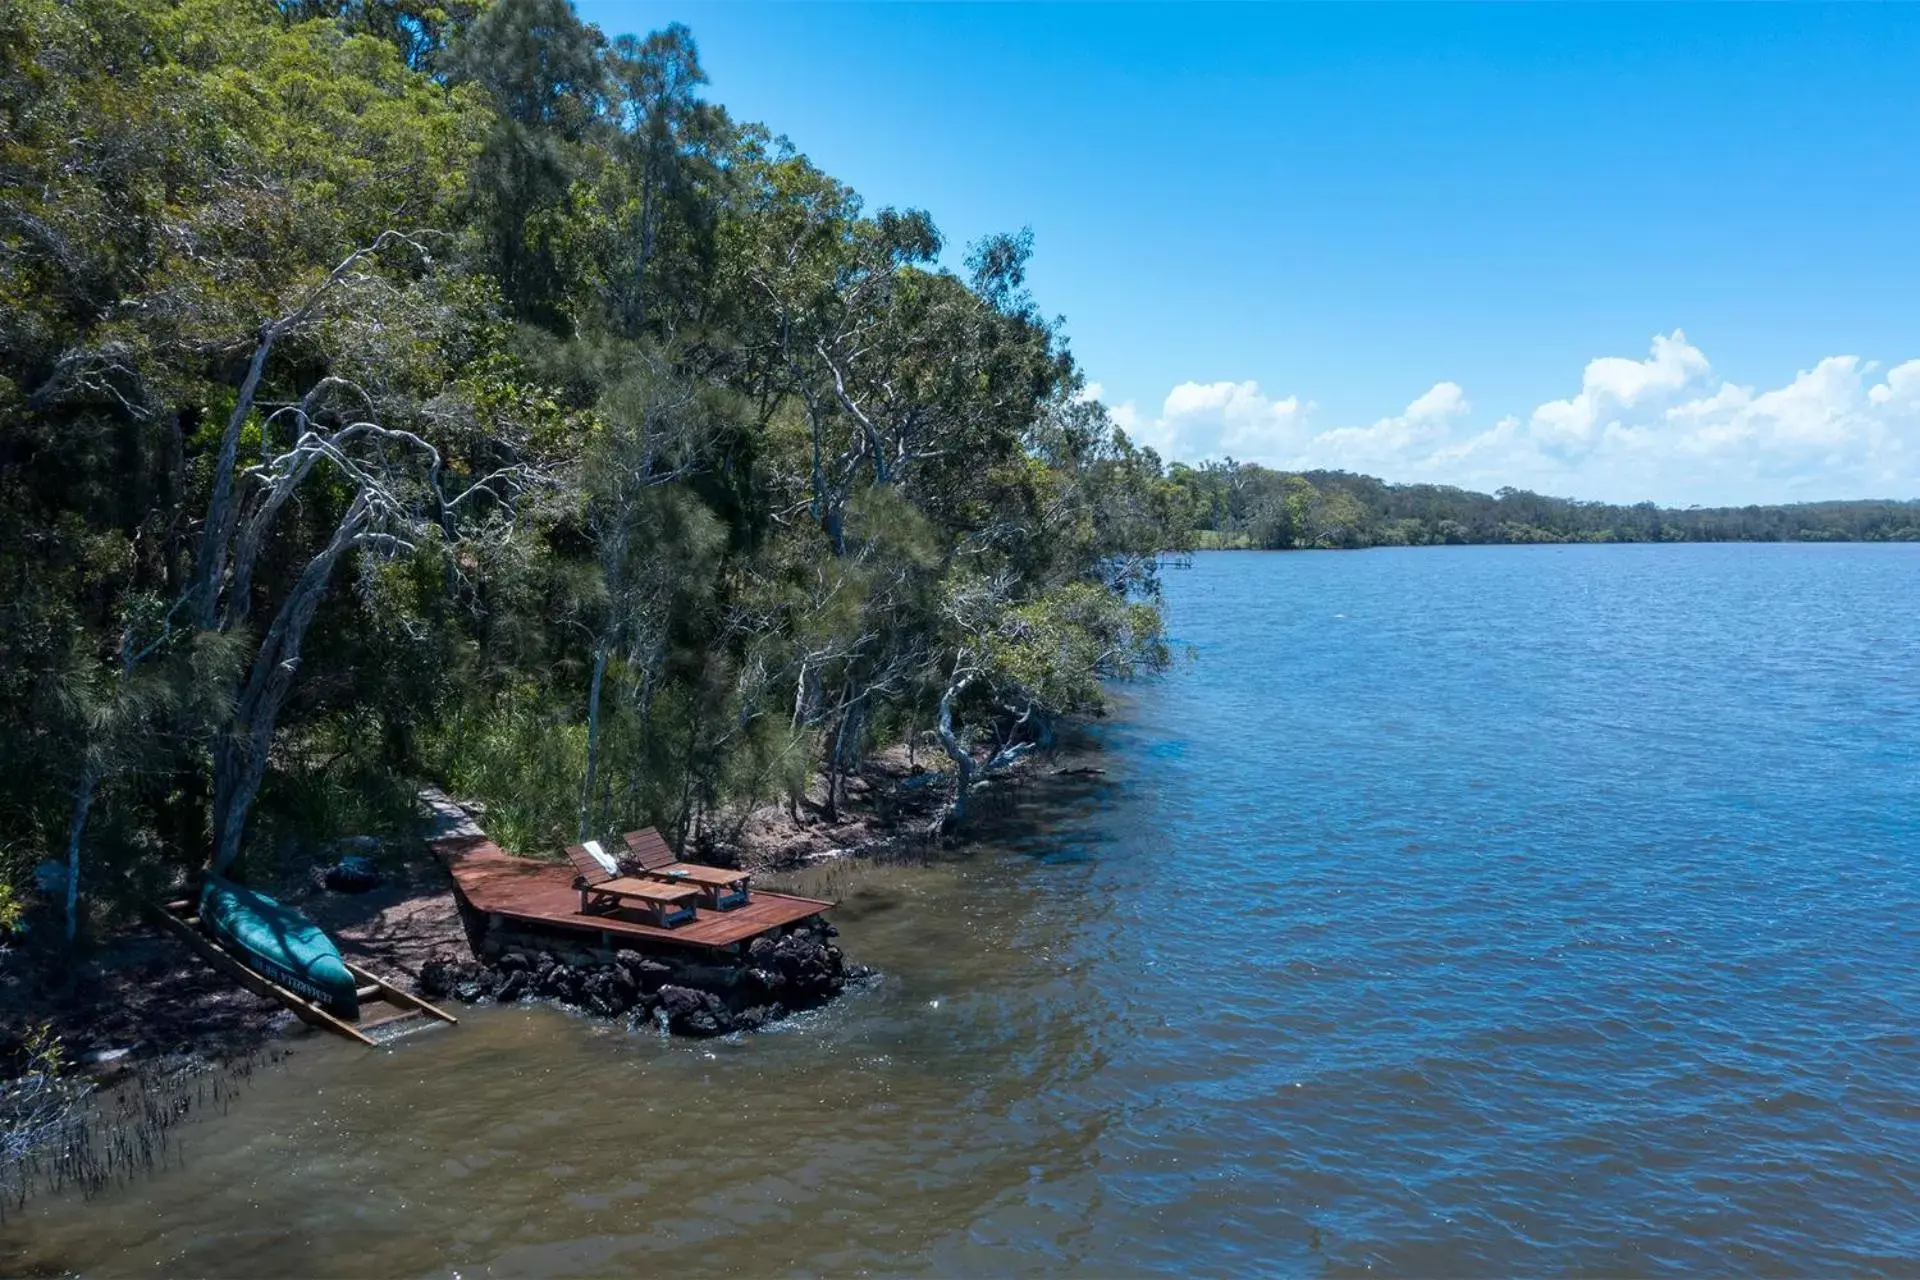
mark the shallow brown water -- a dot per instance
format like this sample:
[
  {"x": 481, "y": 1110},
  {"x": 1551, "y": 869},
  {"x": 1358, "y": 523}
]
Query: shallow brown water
[{"x": 529, "y": 1141}]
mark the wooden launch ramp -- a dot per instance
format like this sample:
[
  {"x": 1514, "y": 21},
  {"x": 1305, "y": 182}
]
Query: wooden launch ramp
[{"x": 404, "y": 1007}]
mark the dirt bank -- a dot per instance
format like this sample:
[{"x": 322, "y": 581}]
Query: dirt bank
[{"x": 889, "y": 807}]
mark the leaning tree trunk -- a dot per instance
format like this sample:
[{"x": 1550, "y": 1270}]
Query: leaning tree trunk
[
  {"x": 240, "y": 756},
  {"x": 957, "y": 751},
  {"x": 843, "y": 755},
  {"x": 218, "y": 530}
]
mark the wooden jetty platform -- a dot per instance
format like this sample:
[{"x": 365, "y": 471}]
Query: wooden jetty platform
[
  {"x": 180, "y": 919},
  {"x": 521, "y": 891}
]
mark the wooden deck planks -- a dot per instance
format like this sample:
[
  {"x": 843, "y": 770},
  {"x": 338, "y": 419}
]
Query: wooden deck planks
[{"x": 498, "y": 883}]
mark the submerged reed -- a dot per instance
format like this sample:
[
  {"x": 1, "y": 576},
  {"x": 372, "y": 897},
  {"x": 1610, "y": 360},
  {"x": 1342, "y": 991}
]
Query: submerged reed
[{"x": 61, "y": 1132}]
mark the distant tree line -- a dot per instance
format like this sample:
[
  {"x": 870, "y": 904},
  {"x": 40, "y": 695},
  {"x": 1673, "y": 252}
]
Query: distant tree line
[{"x": 1233, "y": 504}]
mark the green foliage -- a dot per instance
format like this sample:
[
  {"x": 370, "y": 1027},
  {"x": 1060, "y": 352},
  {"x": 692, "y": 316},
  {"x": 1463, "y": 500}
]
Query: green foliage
[
  {"x": 688, "y": 475},
  {"x": 523, "y": 758},
  {"x": 1057, "y": 649}
]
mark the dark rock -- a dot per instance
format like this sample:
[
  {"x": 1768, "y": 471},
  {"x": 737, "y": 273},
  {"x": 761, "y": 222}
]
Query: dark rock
[
  {"x": 613, "y": 988},
  {"x": 650, "y": 974},
  {"x": 352, "y": 874},
  {"x": 717, "y": 978},
  {"x": 695, "y": 1013},
  {"x": 798, "y": 969},
  {"x": 678, "y": 1001},
  {"x": 436, "y": 978}
]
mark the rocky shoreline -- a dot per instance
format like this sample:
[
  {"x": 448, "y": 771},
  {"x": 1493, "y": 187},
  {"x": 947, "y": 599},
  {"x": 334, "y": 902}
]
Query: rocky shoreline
[
  {"x": 800, "y": 969},
  {"x": 142, "y": 1013},
  {"x": 142, "y": 997}
]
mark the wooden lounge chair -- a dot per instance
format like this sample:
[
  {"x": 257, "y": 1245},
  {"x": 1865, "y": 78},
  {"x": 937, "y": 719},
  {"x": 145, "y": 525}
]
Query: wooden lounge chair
[
  {"x": 602, "y": 888},
  {"x": 721, "y": 889}
]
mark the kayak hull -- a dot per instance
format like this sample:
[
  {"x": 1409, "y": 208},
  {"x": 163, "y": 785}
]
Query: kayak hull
[{"x": 280, "y": 943}]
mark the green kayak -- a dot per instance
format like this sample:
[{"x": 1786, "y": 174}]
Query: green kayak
[{"x": 280, "y": 943}]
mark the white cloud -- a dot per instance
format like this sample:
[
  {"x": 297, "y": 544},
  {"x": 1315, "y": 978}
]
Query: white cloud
[
  {"x": 1902, "y": 386},
  {"x": 1443, "y": 400},
  {"x": 1425, "y": 425},
  {"x": 1613, "y": 384},
  {"x": 1659, "y": 428},
  {"x": 1217, "y": 419}
]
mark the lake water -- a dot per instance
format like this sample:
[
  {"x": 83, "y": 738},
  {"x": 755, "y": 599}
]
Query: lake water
[{"x": 1476, "y": 910}]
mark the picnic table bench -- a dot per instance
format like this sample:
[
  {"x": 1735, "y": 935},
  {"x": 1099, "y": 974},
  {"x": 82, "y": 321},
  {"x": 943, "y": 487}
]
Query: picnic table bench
[
  {"x": 603, "y": 889},
  {"x": 720, "y": 888}
]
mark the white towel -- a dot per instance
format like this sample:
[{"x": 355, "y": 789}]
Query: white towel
[{"x": 611, "y": 867}]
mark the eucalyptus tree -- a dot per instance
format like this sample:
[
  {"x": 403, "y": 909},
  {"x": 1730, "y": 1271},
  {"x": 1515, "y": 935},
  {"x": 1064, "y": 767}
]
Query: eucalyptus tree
[
  {"x": 389, "y": 482},
  {"x": 1054, "y": 591},
  {"x": 668, "y": 140},
  {"x": 420, "y": 32},
  {"x": 540, "y": 67},
  {"x": 657, "y": 545},
  {"x": 912, "y": 384}
]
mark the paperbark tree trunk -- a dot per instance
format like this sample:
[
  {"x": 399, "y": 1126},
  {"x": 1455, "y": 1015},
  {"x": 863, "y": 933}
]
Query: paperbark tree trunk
[
  {"x": 593, "y": 741},
  {"x": 82, "y": 804},
  {"x": 957, "y": 751}
]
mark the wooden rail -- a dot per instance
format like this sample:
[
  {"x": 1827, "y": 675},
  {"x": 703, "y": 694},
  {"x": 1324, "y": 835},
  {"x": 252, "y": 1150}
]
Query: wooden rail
[{"x": 180, "y": 919}]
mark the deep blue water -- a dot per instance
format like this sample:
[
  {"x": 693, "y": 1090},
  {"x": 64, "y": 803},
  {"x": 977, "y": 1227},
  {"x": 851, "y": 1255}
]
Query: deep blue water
[{"x": 1534, "y": 909}]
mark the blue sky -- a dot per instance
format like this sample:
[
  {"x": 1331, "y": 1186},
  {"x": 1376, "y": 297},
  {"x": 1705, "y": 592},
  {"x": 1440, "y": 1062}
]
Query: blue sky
[{"x": 1617, "y": 252}]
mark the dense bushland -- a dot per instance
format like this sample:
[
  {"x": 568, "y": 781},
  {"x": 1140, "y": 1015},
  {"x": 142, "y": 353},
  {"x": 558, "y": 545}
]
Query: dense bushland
[{"x": 391, "y": 391}]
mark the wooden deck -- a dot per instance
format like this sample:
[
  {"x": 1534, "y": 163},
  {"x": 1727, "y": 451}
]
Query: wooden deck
[{"x": 495, "y": 882}]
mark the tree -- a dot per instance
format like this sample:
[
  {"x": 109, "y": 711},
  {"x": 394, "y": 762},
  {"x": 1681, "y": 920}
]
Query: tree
[
  {"x": 394, "y": 499},
  {"x": 655, "y": 81},
  {"x": 653, "y": 547},
  {"x": 1034, "y": 663},
  {"x": 540, "y": 67},
  {"x": 672, "y": 479}
]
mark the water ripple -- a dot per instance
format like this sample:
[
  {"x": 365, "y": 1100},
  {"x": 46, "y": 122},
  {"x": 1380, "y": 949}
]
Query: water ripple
[{"x": 1514, "y": 911}]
